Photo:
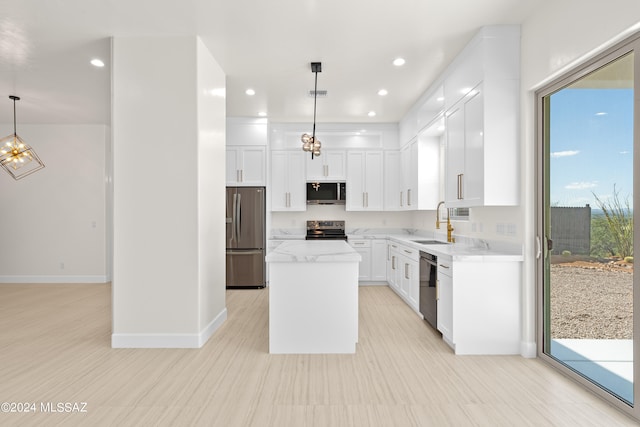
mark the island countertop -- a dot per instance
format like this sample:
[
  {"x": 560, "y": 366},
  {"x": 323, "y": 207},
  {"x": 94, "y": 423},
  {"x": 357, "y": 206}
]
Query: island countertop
[{"x": 313, "y": 251}]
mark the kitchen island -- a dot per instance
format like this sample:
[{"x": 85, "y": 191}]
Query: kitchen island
[{"x": 313, "y": 297}]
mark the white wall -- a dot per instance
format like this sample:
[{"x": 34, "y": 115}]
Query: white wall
[
  {"x": 158, "y": 276},
  {"x": 298, "y": 220},
  {"x": 557, "y": 37},
  {"x": 54, "y": 220},
  {"x": 211, "y": 190}
]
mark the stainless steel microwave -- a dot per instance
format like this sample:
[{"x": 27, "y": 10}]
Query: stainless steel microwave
[{"x": 326, "y": 193}]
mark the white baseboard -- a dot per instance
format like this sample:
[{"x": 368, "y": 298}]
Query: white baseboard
[
  {"x": 528, "y": 349},
  {"x": 53, "y": 279},
  {"x": 169, "y": 340},
  {"x": 373, "y": 283},
  {"x": 212, "y": 327}
]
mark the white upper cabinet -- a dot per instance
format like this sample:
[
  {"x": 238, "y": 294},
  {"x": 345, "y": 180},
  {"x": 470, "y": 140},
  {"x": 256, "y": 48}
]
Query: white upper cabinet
[
  {"x": 330, "y": 166},
  {"x": 246, "y": 142},
  {"x": 245, "y": 165},
  {"x": 420, "y": 173},
  {"x": 408, "y": 127},
  {"x": 392, "y": 181},
  {"x": 288, "y": 184},
  {"x": 364, "y": 181},
  {"x": 481, "y": 98}
]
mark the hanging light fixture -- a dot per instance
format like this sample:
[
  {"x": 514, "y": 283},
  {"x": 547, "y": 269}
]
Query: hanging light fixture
[
  {"x": 309, "y": 142},
  {"x": 16, "y": 157}
]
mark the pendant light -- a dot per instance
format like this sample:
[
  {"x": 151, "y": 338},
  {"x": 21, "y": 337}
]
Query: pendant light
[
  {"x": 309, "y": 142},
  {"x": 16, "y": 157}
]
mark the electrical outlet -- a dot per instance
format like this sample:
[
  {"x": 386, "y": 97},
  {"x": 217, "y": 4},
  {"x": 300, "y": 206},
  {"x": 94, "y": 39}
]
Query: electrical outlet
[{"x": 500, "y": 228}]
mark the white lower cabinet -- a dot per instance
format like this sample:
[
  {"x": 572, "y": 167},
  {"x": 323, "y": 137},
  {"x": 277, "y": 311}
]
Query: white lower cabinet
[
  {"x": 363, "y": 247},
  {"x": 478, "y": 306},
  {"x": 444, "y": 294},
  {"x": 378, "y": 257},
  {"x": 373, "y": 253},
  {"x": 403, "y": 263},
  {"x": 392, "y": 266}
]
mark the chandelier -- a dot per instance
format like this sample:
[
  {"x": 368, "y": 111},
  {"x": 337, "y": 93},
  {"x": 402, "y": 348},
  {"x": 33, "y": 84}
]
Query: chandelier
[
  {"x": 16, "y": 157},
  {"x": 309, "y": 142}
]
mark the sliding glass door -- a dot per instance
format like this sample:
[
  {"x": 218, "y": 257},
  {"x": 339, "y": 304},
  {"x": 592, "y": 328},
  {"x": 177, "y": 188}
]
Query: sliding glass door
[{"x": 586, "y": 221}]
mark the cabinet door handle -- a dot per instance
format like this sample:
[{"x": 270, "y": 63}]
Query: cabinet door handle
[
  {"x": 367, "y": 197},
  {"x": 406, "y": 271},
  {"x": 358, "y": 243},
  {"x": 241, "y": 175},
  {"x": 363, "y": 204},
  {"x": 401, "y": 199},
  {"x": 388, "y": 252},
  {"x": 444, "y": 266},
  {"x": 409, "y": 252},
  {"x": 460, "y": 189},
  {"x": 437, "y": 290},
  {"x": 287, "y": 199},
  {"x": 238, "y": 175},
  {"x": 326, "y": 170},
  {"x": 409, "y": 197},
  {"x": 393, "y": 262}
]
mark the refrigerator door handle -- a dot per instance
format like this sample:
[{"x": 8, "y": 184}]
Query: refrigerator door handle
[
  {"x": 238, "y": 217},
  {"x": 234, "y": 217},
  {"x": 244, "y": 252}
]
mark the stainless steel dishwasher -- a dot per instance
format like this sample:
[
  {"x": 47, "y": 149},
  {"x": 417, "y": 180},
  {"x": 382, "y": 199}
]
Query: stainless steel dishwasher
[{"x": 428, "y": 295}]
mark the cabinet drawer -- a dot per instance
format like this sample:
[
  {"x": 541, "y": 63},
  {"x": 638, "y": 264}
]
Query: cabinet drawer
[
  {"x": 360, "y": 243},
  {"x": 412, "y": 254},
  {"x": 445, "y": 267}
]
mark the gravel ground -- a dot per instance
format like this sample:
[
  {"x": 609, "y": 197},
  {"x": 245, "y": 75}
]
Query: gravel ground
[{"x": 591, "y": 302}]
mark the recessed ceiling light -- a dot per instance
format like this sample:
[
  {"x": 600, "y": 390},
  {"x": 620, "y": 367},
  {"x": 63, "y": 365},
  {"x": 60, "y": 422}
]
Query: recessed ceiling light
[
  {"x": 382, "y": 92},
  {"x": 250, "y": 92},
  {"x": 371, "y": 114},
  {"x": 440, "y": 99},
  {"x": 399, "y": 62},
  {"x": 262, "y": 114},
  {"x": 97, "y": 62}
]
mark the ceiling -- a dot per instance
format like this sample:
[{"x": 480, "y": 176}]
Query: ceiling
[{"x": 46, "y": 46}]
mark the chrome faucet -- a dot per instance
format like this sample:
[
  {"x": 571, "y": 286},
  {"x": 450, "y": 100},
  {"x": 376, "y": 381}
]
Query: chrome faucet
[{"x": 438, "y": 215}]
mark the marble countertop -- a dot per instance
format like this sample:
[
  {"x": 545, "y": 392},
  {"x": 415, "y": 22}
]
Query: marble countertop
[
  {"x": 466, "y": 249},
  {"x": 471, "y": 251},
  {"x": 313, "y": 251}
]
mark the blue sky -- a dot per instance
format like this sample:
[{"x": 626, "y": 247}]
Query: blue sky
[{"x": 591, "y": 145}]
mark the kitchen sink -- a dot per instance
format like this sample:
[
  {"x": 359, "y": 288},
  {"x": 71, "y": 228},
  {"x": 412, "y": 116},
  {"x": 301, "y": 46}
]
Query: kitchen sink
[{"x": 430, "y": 242}]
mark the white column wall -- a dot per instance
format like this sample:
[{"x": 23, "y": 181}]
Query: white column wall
[
  {"x": 157, "y": 282},
  {"x": 211, "y": 191},
  {"x": 556, "y": 38},
  {"x": 54, "y": 227}
]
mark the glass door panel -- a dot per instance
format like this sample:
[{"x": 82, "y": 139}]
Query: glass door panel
[{"x": 588, "y": 224}]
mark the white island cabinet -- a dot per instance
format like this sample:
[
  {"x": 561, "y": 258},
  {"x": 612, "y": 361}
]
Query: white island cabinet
[{"x": 313, "y": 297}]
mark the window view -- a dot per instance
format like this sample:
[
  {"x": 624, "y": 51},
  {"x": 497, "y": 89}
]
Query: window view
[{"x": 588, "y": 221}]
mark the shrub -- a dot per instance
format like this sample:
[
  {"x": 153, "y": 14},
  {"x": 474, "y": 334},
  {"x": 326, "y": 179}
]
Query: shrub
[
  {"x": 566, "y": 253},
  {"x": 620, "y": 222},
  {"x": 628, "y": 259}
]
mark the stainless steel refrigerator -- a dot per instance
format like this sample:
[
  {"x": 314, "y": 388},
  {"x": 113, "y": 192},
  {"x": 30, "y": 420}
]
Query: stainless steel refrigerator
[{"x": 246, "y": 237}]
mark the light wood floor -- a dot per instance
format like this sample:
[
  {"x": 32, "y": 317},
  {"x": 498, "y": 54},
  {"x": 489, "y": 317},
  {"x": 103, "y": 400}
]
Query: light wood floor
[{"x": 55, "y": 347}]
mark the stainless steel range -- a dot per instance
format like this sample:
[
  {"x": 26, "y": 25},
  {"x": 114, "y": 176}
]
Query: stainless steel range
[{"x": 333, "y": 230}]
